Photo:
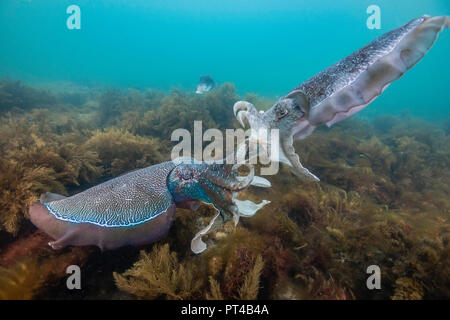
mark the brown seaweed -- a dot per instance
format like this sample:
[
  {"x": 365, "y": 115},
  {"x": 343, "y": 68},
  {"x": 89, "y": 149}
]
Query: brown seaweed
[
  {"x": 157, "y": 274},
  {"x": 382, "y": 199}
]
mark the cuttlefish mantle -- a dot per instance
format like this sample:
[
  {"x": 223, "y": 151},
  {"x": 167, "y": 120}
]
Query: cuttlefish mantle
[{"x": 342, "y": 89}]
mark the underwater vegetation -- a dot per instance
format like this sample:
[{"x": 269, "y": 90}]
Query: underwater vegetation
[
  {"x": 120, "y": 151},
  {"x": 28, "y": 264},
  {"x": 15, "y": 95},
  {"x": 158, "y": 273},
  {"x": 20, "y": 282},
  {"x": 383, "y": 200}
]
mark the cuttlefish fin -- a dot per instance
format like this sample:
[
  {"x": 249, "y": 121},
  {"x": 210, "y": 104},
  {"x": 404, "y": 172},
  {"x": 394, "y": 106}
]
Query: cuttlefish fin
[
  {"x": 289, "y": 157},
  {"x": 50, "y": 197}
]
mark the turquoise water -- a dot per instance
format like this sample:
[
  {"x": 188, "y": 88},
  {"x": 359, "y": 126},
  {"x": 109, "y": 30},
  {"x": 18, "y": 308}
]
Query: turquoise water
[{"x": 266, "y": 47}]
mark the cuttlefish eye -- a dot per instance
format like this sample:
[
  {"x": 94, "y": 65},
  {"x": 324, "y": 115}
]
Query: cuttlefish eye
[
  {"x": 243, "y": 171},
  {"x": 281, "y": 111}
]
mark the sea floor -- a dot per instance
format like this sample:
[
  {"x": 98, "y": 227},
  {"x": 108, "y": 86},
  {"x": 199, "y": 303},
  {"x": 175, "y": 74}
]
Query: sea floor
[{"x": 382, "y": 201}]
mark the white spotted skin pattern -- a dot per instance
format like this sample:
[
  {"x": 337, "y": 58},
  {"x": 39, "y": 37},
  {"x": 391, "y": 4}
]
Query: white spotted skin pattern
[
  {"x": 127, "y": 200},
  {"x": 343, "y": 73}
]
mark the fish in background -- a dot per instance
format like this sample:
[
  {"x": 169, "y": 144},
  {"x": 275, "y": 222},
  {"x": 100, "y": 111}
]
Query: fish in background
[{"x": 205, "y": 84}]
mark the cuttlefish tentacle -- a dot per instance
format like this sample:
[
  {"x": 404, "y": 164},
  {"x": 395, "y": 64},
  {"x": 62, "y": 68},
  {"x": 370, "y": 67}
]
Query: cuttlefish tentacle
[
  {"x": 138, "y": 207},
  {"x": 344, "y": 88},
  {"x": 217, "y": 186}
]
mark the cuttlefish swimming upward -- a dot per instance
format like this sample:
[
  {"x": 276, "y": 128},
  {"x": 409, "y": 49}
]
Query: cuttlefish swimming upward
[
  {"x": 342, "y": 89},
  {"x": 138, "y": 207}
]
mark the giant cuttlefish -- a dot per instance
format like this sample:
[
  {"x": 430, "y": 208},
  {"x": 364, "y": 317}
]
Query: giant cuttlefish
[
  {"x": 138, "y": 207},
  {"x": 342, "y": 89}
]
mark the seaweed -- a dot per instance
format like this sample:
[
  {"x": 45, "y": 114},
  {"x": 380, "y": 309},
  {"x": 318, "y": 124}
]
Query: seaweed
[
  {"x": 407, "y": 289},
  {"x": 20, "y": 186},
  {"x": 121, "y": 151},
  {"x": 114, "y": 104},
  {"x": 215, "y": 292},
  {"x": 382, "y": 199},
  {"x": 158, "y": 274},
  {"x": 15, "y": 95},
  {"x": 378, "y": 156},
  {"x": 180, "y": 110},
  {"x": 21, "y": 281},
  {"x": 250, "y": 287},
  {"x": 110, "y": 106}
]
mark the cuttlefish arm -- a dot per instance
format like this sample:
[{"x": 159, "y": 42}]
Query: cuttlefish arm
[
  {"x": 292, "y": 159},
  {"x": 227, "y": 208},
  {"x": 240, "y": 208},
  {"x": 218, "y": 185},
  {"x": 344, "y": 88}
]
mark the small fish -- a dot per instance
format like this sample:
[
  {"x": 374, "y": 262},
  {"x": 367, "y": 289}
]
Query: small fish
[{"x": 205, "y": 84}]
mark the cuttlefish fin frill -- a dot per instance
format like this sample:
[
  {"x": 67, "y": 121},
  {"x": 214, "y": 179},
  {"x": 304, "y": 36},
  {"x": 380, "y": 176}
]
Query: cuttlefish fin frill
[
  {"x": 50, "y": 197},
  {"x": 83, "y": 234},
  {"x": 380, "y": 63}
]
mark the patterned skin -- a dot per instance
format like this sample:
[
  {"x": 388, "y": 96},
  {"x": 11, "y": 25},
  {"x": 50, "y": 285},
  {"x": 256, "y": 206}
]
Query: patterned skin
[
  {"x": 138, "y": 207},
  {"x": 342, "y": 89}
]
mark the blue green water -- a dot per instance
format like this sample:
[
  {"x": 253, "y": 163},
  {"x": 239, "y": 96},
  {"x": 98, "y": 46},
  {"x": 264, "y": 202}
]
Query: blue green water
[{"x": 266, "y": 47}]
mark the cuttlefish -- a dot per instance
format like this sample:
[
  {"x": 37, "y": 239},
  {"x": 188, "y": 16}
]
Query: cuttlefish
[
  {"x": 341, "y": 90},
  {"x": 138, "y": 207}
]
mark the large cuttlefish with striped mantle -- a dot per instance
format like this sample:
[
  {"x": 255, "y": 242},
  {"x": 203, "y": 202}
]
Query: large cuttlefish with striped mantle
[
  {"x": 138, "y": 207},
  {"x": 342, "y": 89}
]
